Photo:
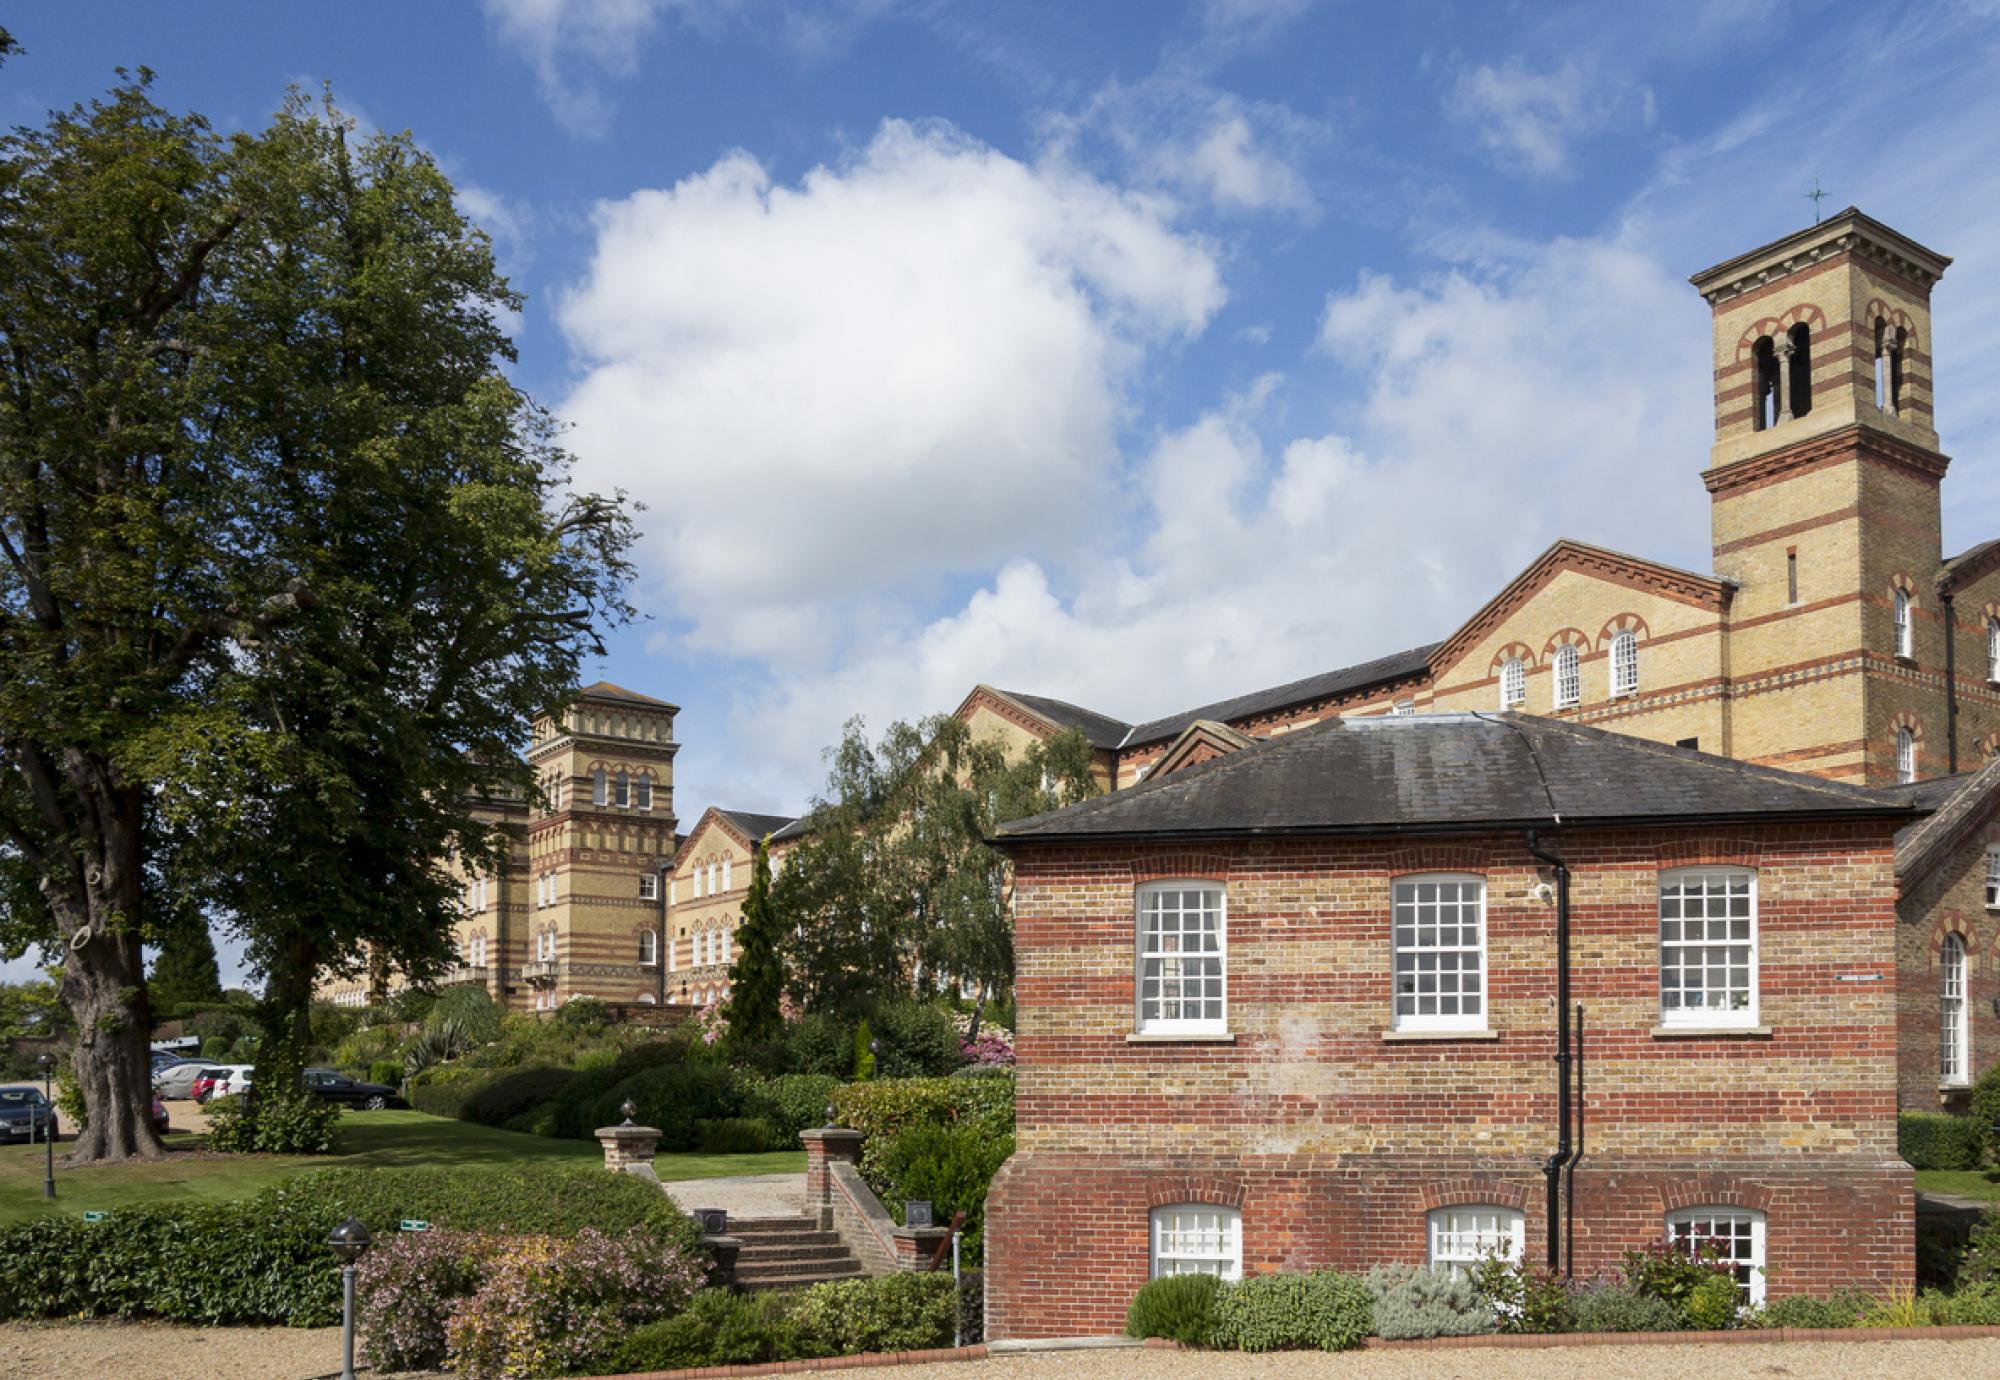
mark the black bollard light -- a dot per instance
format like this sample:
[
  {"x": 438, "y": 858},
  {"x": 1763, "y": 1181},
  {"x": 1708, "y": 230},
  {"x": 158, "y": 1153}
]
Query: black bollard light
[
  {"x": 350, "y": 1241},
  {"x": 48, "y": 1126}
]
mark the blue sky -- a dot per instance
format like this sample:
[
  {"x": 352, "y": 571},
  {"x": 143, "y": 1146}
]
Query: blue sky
[{"x": 1137, "y": 354}]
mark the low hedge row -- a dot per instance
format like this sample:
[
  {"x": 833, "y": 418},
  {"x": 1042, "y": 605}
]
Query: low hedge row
[
  {"x": 1934, "y": 1140},
  {"x": 265, "y": 1260},
  {"x": 898, "y": 1312}
]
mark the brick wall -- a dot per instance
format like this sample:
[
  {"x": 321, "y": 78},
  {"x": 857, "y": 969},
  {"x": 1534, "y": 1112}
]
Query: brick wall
[{"x": 1333, "y": 1135}]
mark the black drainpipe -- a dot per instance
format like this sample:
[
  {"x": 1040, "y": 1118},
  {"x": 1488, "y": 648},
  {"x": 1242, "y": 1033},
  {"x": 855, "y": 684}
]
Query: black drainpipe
[
  {"x": 1950, "y": 685},
  {"x": 1552, "y": 1168},
  {"x": 1569, "y": 1189}
]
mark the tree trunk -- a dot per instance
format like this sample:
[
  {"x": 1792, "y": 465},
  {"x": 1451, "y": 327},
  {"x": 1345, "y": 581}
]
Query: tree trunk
[
  {"x": 105, "y": 988},
  {"x": 285, "y": 1014}
]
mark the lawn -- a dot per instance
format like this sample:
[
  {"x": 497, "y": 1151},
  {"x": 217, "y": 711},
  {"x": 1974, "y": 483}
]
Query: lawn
[
  {"x": 366, "y": 1139},
  {"x": 1960, "y": 1183}
]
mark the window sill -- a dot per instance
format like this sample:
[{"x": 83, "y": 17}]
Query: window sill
[
  {"x": 1902, "y": 660},
  {"x": 1944, "y": 1087},
  {"x": 1711, "y": 1032},
  {"x": 1400, "y": 1037},
  {"x": 1192, "y": 1037}
]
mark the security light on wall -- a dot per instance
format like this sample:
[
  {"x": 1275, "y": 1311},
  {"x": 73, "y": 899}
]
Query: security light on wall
[{"x": 1543, "y": 892}]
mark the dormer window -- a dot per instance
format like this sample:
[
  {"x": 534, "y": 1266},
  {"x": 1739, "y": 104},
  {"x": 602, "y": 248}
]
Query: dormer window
[{"x": 1513, "y": 682}]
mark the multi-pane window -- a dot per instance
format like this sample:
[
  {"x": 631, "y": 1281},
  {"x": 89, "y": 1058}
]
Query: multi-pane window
[
  {"x": 1625, "y": 663},
  {"x": 1568, "y": 679},
  {"x": 1461, "y": 1237},
  {"x": 1906, "y": 755},
  {"x": 1513, "y": 682},
  {"x": 1708, "y": 947},
  {"x": 1993, "y": 879},
  {"x": 621, "y": 790},
  {"x": 649, "y": 948},
  {"x": 649, "y": 886},
  {"x": 1954, "y": 1062},
  {"x": 642, "y": 792},
  {"x": 1993, "y": 649},
  {"x": 1440, "y": 953},
  {"x": 600, "y": 787},
  {"x": 725, "y": 874},
  {"x": 1733, "y": 1236},
  {"x": 1195, "y": 1239},
  {"x": 1181, "y": 973},
  {"x": 1902, "y": 616}
]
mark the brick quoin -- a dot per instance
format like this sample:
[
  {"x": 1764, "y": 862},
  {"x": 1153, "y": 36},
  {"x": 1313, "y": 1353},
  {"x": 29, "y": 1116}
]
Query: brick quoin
[{"x": 1333, "y": 1142}]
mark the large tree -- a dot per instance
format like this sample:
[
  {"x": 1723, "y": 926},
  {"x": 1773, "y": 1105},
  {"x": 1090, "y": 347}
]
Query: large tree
[
  {"x": 272, "y": 519},
  {"x": 186, "y": 969},
  {"x": 757, "y": 977}
]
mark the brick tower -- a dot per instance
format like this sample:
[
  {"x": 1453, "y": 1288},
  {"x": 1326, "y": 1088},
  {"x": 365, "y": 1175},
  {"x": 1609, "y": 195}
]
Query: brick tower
[{"x": 1825, "y": 478}]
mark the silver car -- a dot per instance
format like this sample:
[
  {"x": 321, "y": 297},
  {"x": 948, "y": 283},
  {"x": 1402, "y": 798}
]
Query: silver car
[{"x": 175, "y": 1082}]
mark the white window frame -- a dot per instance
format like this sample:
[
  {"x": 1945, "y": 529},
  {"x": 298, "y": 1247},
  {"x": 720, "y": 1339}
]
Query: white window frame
[
  {"x": 642, "y": 792},
  {"x": 726, "y": 936},
  {"x": 649, "y": 949},
  {"x": 1686, "y": 1224},
  {"x": 1625, "y": 663},
  {"x": 1513, "y": 682},
  {"x": 726, "y": 883},
  {"x": 714, "y": 871},
  {"x": 1195, "y": 1239},
  {"x": 1406, "y": 920},
  {"x": 1901, "y": 619},
  {"x": 649, "y": 886},
  {"x": 1168, "y": 959},
  {"x": 1993, "y": 878},
  {"x": 1954, "y": 1029},
  {"x": 1566, "y": 685},
  {"x": 1458, "y": 1237},
  {"x": 621, "y": 789},
  {"x": 1906, "y": 755},
  {"x": 1704, "y": 1016},
  {"x": 672, "y": 890},
  {"x": 600, "y": 787}
]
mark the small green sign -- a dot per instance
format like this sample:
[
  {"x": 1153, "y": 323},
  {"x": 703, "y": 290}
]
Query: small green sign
[
  {"x": 415, "y": 1224},
  {"x": 93, "y": 1217}
]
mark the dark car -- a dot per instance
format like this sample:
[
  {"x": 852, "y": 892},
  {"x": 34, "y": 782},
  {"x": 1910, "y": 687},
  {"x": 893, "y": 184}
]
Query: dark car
[
  {"x": 160, "y": 1123},
  {"x": 26, "y": 1115},
  {"x": 350, "y": 1092}
]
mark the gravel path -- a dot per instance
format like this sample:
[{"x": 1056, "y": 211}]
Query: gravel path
[
  {"x": 161, "y": 1351},
  {"x": 744, "y": 1195}
]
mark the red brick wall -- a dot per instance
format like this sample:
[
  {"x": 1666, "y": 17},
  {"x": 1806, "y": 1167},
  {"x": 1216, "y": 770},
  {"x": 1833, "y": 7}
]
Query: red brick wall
[{"x": 1334, "y": 1140}]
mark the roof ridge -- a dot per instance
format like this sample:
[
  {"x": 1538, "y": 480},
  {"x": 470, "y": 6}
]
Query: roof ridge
[{"x": 1712, "y": 761}]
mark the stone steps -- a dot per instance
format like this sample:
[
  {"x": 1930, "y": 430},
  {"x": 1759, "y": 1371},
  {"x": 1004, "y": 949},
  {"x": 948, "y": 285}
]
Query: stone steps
[{"x": 789, "y": 1253}]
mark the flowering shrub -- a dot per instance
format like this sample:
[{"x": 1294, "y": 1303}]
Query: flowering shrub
[
  {"x": 546, "y": 1306},
  {"x": 992, "y": 1049},
  {"x": 406, "y": 1290},
  {"x": 710, "y": 1025}
]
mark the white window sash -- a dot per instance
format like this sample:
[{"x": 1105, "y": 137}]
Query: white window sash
[
  {"x": 1993, "y": 879},
  {"x": 1681, "y": 949},
  {"x": 1954, "y": 1057},
  {"x": 726, "y": 883},
  {"x": 1195, "y": 1238},
  {"x": 1625, "y": 664},
  {"x": 1568, "y": 679},
  {"x": 1406, "y": 920},
  {"x": 1460, "y": 1236},
  {"x": 1686, "y": 1224},
  {"x": 1157, "y": 966}
]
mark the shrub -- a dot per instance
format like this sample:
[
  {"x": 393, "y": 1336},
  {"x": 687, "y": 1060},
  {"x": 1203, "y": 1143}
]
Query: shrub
[
  {"x": 971, "y": 1307},
  {"x": 990, "y": 1049},
  {"x": 915, "y": 1040},
  {"x": 546, "y": 1305},
  {"x": 282, "y": 1123},
  {"x": 821, "y": 1045},
  {"x": 437, "y": 1043},
  {"x": 951, "y": 1167},
  {"x": 716, "y": 1329},
  {"x": 883, "y": 1110},
  {"x": 1841, "y": 1310},
  {"x": 1932, "y": 1140},
  {"x": 1525, "y": 1299},
  {"x": 1901, "y": 1308},
  {"x": 386, "y": 1071},
  {"x": 215, "y": 1048},
  {"x": 366, "y": 1048},
  {"x": 1985, "y": 1114},
  {"x": 583, "y": 1014},
  {"x": 1614, "y": 1307},
  {"x": 896, "y": 1312},
  {"x": 405, "y": 1291},
  {"x": 793, "y": 1103},
  {"x": 1976, "y": 1305},
  {"x": 1414, "y": 1302},
  {"x": 573, "y": 1112},
  {"x": 1282, "y": 1312},
  {"x": 498, "y": 1101},
  {"x": 442, "y": 1091},
  {"x": 673, "y": 1097},
  {"x": 1981, "y": 1262},
  {"x": 1712, "y": 1305},
  {"x": 736, "y": 1135},
  {"x": 469, "y": 1006},
  {"x": 1180, "y": 1307},
  {"x": 1666, "y": 1270}
]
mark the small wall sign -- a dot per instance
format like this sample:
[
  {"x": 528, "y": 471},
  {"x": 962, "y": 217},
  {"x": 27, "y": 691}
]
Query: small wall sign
[{"x": 415, "y": 1224}]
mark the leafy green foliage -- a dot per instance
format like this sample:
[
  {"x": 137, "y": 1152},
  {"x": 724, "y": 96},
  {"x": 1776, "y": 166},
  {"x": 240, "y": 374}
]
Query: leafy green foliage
[
  {"x": 1413, "y": 1302},
  {"x": 1712, "y": 1305},
  {"x": 949, "y": 1166},
  {"x": 1984, "y": 1113},
  {"x": 1691, "y": 1283},
  {"x": 895, "y": 1312},
  {"x": 1933, "y": 1140},
  {"x": 819, "y": 1044},
  {"x": 883, "y": 1110},
  {"x": 757, "y": 977},
  {"x": 673, "y": 1097},
  {"x": 1800, "y": 1310},
  {"x": 439, "y": 1042},
  {"x": 718, "y": 1328},
  {"x": 282, "y": 1123},
  {"x": 1614, "y": 1307},
  {"x": 792, "y": 1103},
  {"x": 470, "y": 1007},
  {"x": 513, "y": 1095},
  {"x": 1981, "y": 1262},
  {"x": 1975, "y": 1305},
  {"x": 1326, "y": 1311},
  {"x": 916, "y": 1040},
  {"x": 1525, "y": 1298},
  {"x": 186, "y": 970},
  {"x": 737, "y": 1135},
  {"x": 1178, "y": 1307}
]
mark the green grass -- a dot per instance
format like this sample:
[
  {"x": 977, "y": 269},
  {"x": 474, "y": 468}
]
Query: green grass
[
  {"x": 366, "y": 1139},
  {"x": 1960, "y": 1183}
]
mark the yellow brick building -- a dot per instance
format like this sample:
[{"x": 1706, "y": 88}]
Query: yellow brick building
[{"x": 705, "y": 889}]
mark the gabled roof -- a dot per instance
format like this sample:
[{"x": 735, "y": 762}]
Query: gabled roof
[
  {"x": 749, "y": 829},
  {"x": 1441, "y": 772},
  {"x": 1203, "y": 735},
  {"x": 1955, "y": 807},
  {"x": 1101, "y": 729},
  {"x": 1968, "y": 565},
  {"x": 1398, "y": 666},
  {"x": 618, "y": 694},
  {"x": 1703, "y": 591}
]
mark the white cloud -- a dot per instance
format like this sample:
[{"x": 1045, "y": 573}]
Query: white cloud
[
  {"x": 1532, "y": 120},
  {"x": 908, "y": 364},
  {"x": 606, "y": 36}
]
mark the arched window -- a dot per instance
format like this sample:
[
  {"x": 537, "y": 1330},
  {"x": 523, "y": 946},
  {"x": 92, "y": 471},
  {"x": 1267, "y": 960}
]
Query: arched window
[
  {"x": 599, "y": 787},
  {"x": 648, "y": 999},
  {"x": 1954, "y": 1060},
  {"x": 1764, "y": 384},
  {"x": 1898, "y": 347},
  {"x": 1513, "y": 682},
  {"x": 1625, "y": 663},
  {"x": 1801, "y": 370},
  {"x": 1901, "y": 615},
  {"x": 1993, "y": 650},
  {"x": 1197, "y": 1239},
  {"x": 714, "y": 869},
  {"x": 1906, "y": 755},
  {"x": 1568, "y": 689},
  {"x": 649, "y": 948},
  {"x": 1733, "y": 1236},
  {"x": 725, "y": 872},
  {"x": 642, "y": 792},
  {"x": 621, "y": 793},
  {"x": 1881, "y": 363},
  {"x": 1460, "y": 1237}
]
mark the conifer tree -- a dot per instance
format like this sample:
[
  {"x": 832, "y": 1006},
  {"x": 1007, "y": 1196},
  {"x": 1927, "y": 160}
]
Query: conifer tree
[
  {"x": 757, "y": 978},
  {"x": 186, "y": 969}
]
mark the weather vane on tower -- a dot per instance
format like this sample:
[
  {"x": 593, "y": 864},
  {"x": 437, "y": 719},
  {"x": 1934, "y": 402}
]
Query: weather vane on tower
[{"x": 1815, "y": 196}]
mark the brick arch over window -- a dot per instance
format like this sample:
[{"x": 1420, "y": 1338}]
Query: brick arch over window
[
  {"x": 1715, "y": 850},
  {"x": 1568, "y": 637},
  {"x": 1989, "y": 746},
  {"x": 1469, "y": 1189},
  {"x": 1776, "y": 327},
  {"x": 1902, "y": 581},
  {"x": 1191, "y": 864},
  {"x": 1713, "y": 1190},
  {"x": 1903, "y": 718},
  {"x": 1509, "y": 653},
  {"x": 1880, "y": 310},
  {"x": 1444, "y": 855},
  {"x": 1948, "y": 923},
  {"x": 1213, "y": 1191},
  {"x": 1623, "y": 622}
]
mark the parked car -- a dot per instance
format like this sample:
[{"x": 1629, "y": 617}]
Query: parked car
[
  {"x": 338, "y": 1087},
  {"x": 26, "y": 1115},
  {"x": 160, "y": 1123},
  {"x": 177, "y": 1080},
  {"x": 222, "y": 1080}
]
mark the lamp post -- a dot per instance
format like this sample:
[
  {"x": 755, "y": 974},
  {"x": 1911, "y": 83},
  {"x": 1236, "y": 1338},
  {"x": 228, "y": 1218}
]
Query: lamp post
[
  {"x": 48, "y": 1062},
  {"x": 350, "y": 1241}
]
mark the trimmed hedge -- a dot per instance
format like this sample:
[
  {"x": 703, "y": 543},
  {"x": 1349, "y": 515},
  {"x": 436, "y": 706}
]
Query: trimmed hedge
[
  {"x": 1934, "y": 1140},
  {"x": 883, "y": 1109},
  {"x": 517, "y": 1095},
  {"x": 792, "y": 1103},
  {"x": 949, "y": 1167},
  {"x": 1178, "y": 1307},
  {"x": 896, "y": 1312},
  {"x": 674, "y": 1097}
]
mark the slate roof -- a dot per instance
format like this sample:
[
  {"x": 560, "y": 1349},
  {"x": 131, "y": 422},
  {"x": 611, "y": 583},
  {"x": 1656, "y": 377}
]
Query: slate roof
[
  {"x": 605, "y": 690},
  {"x": 1393, "y": 667},
  {"x": 1438, "y": 772},
  {"x": 755, "y": 827},
  {"x": 1953, "y": 806},
  {"x": 1101, "y": 729}
]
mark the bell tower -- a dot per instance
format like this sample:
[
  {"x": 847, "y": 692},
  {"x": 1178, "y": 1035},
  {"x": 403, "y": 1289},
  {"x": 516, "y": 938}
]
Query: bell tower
[{"x": 1824, "y": 478}]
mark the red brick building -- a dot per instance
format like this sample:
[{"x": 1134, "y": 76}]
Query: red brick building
[{"x": 1296, "y": 1006}]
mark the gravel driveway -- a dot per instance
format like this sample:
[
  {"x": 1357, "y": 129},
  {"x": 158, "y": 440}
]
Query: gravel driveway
[{"x": 161, "y": 1351}]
